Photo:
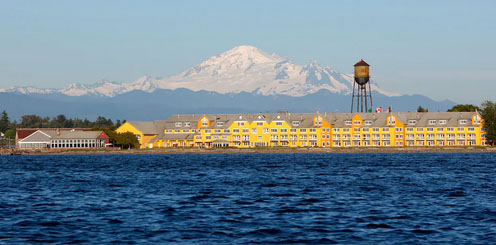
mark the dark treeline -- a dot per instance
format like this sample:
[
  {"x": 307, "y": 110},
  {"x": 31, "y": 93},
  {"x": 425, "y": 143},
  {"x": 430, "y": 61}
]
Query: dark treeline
[
  {"x": 60, "y": 121},
  {"x": 125, "y": 140}
]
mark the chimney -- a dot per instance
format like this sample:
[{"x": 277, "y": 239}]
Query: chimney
[{"x": 57, "y": 131}]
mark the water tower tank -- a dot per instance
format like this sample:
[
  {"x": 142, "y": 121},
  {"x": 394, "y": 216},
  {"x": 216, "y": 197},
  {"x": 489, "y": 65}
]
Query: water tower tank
[{"x": 361, "y": 72}]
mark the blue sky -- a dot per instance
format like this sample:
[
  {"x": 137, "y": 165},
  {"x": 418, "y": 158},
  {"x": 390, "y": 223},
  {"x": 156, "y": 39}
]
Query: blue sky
[{"x": 442, "y": 49}]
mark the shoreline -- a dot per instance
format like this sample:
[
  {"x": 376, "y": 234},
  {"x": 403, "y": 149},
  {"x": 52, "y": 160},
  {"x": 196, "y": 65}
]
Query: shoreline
[{"x": 348, "y": 150}]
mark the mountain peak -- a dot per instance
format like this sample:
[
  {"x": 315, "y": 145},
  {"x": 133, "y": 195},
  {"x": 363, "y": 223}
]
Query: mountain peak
[
  {"x": 241, "y": 69},
  {"x": 248, "y": 53}
]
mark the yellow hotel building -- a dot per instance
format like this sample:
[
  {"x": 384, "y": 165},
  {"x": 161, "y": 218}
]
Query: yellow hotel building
[{"x": 286, "y": 129}]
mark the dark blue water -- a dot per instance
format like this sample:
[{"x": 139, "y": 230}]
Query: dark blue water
[{"x": 267, "y": 198}]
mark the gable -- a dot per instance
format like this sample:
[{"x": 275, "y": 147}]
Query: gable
[{"x": 37, "y": 136}]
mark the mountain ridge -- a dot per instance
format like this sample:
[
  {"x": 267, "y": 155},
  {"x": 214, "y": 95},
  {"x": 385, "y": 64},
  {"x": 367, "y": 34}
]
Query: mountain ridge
[{"x": 242, "y": 69}]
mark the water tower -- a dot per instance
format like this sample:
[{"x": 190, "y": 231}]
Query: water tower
[{"x": 362, "y": 95}]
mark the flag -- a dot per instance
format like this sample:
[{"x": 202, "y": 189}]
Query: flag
[
  {"x": 370, "y": 110},
  {"x": 378, "y": 109}
]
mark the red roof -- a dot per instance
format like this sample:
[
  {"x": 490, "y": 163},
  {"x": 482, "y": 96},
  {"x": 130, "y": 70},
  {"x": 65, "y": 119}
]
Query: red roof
[
  {"x": 361, "y": 63},
  {"x": 23, "y": 133}
]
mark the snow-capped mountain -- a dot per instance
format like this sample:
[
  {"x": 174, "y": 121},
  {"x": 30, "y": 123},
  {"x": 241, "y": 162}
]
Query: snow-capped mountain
[{"x": 241, "y": 69}]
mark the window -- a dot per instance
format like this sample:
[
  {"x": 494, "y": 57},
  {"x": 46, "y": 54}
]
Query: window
[
  {"x": 460, "y": 129},
  {"x": 204, "y": 122},
  {"x": 303, "y": 130},
  {"x": 347, "y": 123},
  {"x": 470, "y": 129},
  {"x": 375, "y": 129},
  {"x": 278, "y": 123},
  {"x": 430, "y": 129},
  {"x": 409, "y": 129},
  {"x": 220, "y": 124},
  {"x": 241, "y": 124},
  {"x": 295, "y": 123},
  {"x": 292, "y": 130},
  {"x": 357, "y": 122},
  {"x": 253, "y": 131},
  {"x": 356, "y": 130},
  {"x": 245, "y": 131},
  {"x": 273, "y": 130},
  {"x": 346, "y": 130},
  {"x": 265, "y": 130},
  {"x": 335, "y": 130},
  {"x": 440, "y": 129},
  {"x": 450, "y": 129},
  {"x": 477, "y": 119},
  {"x": 259, "y": 137},
  {"x": 368, "y": 122},
  {"x": 318, "y": 121},
  {"x": 312, "y": 130},
  {"x": 260, "y": 124},
  {"x": 463, "y": 122},
  {"x": 385, "y": 129},
  {"x": 420, "y": 129},
  {"x": 207, "y": 131},
  {"x": 284, "y": 130},
  {"x": 442, "y": 122},
  {"x": 187, "y": 124},
  {"x": 235, "y": 130},
  {"x": 399, "y": 129},
  {"x": 392, "y": 121},
  {"x": 217, "y": 131},
  {"x": 179, "y": 124},
  {"x": 432, "y": 122},
  {"x": 138, "y": 137},
  {"x": 412, "y": 122}
]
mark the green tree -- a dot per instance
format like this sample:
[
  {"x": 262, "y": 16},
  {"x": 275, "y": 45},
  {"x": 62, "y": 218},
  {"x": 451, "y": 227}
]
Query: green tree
[
  {"x": 464, "y": 108},
  {"x": 124, "y": 140},
  {"x": 127, "y": 140},
  {"x": 10, "y": 134},
  {"x": 59, "y": 121},
  {"x": 103, "y": 122},
  {"x": 4, "y": 122},
  {"x": 422, "y": 109},
  {"x": 488, "y": 113},
  {"x": 31, "y": 121}
]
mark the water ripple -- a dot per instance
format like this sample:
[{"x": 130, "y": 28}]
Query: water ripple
[{"x": 266, "y": 198}]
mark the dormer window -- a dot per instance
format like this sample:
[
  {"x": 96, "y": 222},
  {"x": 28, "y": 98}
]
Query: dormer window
[
  {"x": 477, "y": 119},
  {"x": 220, "y": 124},
  {"x": 368, "y": 122},
  {"x": 187, "y": 124},
  {"x": 357, "y": 122},
  {"x": 412, "y": 122},
  {"x": 318, "y": 121},
  {"x": 347, "y": 123},
  {"x": 443, "y": 122},
  {"x": 295, "y": 123},
  {"x": 463, "y": 122},
  {"x": 179, "y": 124},
  {"x": 432, "y": 122},
  {"x": 204, "y": 122}
]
